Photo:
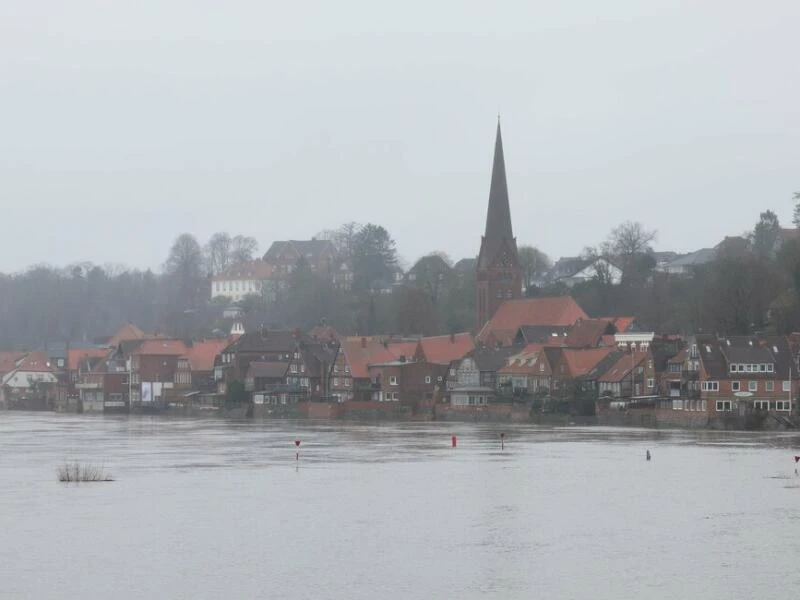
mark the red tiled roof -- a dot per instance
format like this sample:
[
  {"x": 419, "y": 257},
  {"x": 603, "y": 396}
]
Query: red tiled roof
[
  {"x": 37, "y": 362},
  {"x": 75, "y": 355},
  {"x": 680, "y": 357},
  {"x": 126, "y": 333},
  {"x": 444, "y": 349},
  {"x": 581, "y": 361},
  {"x": 162, "y": 347},
  {"x": 621, "y": 323},
  {"x": 513, "y": 314},
  {"x": 323, "y": 333},
  {"x": 622, "y": 368},
  {"x": 201, "y": 355},
  {"x": 526, "y": 361},
  {"x": 9, "y": 360},
  {"x": 254, "y": 269},
  {"x": 587, "y": 333},
  {"x": 403, "y": 349},
  {"x": 360, "y": 352}
]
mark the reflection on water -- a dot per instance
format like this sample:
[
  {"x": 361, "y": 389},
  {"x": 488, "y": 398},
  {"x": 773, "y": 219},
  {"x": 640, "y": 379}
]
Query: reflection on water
[{"x": 211, "y": 509}]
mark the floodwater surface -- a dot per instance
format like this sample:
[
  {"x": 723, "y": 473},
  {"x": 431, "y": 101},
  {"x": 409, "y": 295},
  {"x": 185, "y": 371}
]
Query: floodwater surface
[{"x": 222, "y": 509}]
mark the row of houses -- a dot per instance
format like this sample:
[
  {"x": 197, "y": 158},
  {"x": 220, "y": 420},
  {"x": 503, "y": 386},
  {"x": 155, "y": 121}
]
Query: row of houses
[{"x": 542, "y": 351}]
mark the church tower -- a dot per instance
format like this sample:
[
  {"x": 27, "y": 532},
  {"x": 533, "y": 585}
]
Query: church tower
[{"x": 499, "y": 273}]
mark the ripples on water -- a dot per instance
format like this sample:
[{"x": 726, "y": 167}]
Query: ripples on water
[{"x": 212, "y": 509}]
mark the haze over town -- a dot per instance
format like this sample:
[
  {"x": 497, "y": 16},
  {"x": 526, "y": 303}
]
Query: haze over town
[{"x": 123, "y": 128}]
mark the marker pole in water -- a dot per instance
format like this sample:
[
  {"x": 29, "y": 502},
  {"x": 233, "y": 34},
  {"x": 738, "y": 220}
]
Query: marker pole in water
[
  {"x": 297, "y": 454},
  {"x": 502, "y": 441},
  {"x": 453, "y": 441},
  {"x": 648, "y": 455}
]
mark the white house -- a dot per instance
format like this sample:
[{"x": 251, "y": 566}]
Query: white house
[
  {"x": 242, "y": 280},
  {"x": 33, "y": 370},
  {"x": 583, "y": 270}
]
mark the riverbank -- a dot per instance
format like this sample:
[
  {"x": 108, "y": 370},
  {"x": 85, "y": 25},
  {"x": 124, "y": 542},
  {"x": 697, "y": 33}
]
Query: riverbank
[{"x": 368, "y": 411}]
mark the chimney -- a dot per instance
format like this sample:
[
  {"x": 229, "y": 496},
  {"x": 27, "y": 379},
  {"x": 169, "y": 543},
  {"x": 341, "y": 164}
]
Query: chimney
[{"x": 363, "y": 342}]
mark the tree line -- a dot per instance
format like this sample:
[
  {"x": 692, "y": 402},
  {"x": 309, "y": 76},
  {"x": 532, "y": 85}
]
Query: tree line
[{"x": 752, "y": 284}]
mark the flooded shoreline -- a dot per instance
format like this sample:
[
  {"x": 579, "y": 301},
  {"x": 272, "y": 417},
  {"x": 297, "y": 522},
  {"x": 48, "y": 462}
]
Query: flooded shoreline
[{"x": 204, "y": 508}]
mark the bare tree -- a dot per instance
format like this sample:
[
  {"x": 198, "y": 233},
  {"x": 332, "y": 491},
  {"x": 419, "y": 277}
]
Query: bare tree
[
  {"x": 631, "y": 238},
  {"x": 764, "y": 238},
  {"x": 600, "y": 260},
  {"x": 796, "y": 214},
  {"x": 343, "y": 238},
  {"x": 184, "y": 268},
  {"x": 218, "y": 253},
  {"x": 630, "y": 243},
  {"x": 535, "y": 263},
  {"x": 243, "y": 249}
]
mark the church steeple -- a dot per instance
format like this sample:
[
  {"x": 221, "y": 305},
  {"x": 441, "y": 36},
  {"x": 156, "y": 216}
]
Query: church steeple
[
  {"x": 499, "y": 274},
  {"x": 498, "y": 215}
]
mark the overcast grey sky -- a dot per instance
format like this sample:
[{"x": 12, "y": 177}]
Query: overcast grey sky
[{"x": 123, "y": 124}]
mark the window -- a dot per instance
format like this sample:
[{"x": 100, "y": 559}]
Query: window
[
  {"x": 761, "y": 404},
  {"x": 392, "y": 380},
  {"x": 770, "y": 368},
  {"x": 427, "y": 378},
  {"x": 710, "y": 386},
  {"x": 735, "y": 386},
  {"x": 787, "y": 385},
  {"x": 293, "y": 368},
  {"x": 651, "y": 383},
  {"x": 347, "y": 368},
  {"x": 752, "y": 386},
  {"x": 335, "y": 368},
  {"x": 770, "y": 386},
  {"x": 346, "y": 383},
  {"x": 649, "y": 364},
  {"x": 734, "y": 367},
  {"x": 783, "y": 405},
  {"x": 336, "y": 381},
  {"x": 723, "y": 405},
  {"x": 541, "y": 367},
  {"x": 762, "y": 368}
]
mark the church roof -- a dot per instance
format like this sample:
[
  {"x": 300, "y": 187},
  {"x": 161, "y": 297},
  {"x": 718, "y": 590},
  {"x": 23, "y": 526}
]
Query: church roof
[{"x": 498, "y": 215}]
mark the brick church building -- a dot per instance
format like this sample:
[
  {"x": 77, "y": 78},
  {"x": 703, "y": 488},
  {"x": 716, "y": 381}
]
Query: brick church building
[{"x": 499, "y": 272}]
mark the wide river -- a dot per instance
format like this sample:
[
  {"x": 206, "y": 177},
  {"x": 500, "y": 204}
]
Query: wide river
[{"x": 221, "y": 509}]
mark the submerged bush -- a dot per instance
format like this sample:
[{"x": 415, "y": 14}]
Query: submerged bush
[{"x": 78, "y": 472}]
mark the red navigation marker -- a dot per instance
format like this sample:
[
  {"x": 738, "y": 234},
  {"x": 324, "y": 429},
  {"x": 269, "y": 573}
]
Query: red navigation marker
[
  {"x": 797, "y": 459},
  {"x": 453, "y": 441},
  {"x": 297, "y": 443}
]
